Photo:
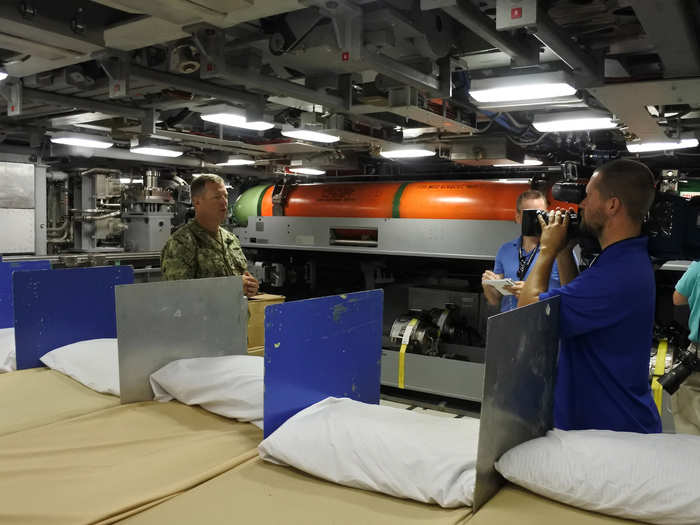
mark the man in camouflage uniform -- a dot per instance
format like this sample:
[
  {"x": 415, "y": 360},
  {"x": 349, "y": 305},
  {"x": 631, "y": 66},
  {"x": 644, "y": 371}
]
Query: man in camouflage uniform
[{"x": 202, "y": 248}]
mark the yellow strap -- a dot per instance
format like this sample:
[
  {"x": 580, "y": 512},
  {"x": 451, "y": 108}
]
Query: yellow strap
[
  {"x": 402, "y": 353},
  {"x": 659, "y": 369}
]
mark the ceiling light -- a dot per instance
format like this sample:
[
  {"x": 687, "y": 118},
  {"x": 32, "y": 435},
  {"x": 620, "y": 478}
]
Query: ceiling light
[
  {"x": 526, "y": 162},
  {"x": 131, "y": 181},
  {"x": 155, "y": 151},
  {"x": 237, "y": 161},
  {"x": 407, "y": 153},
  {"x": 237, "y": 121},
  {"x": 307, "y": 171},
  {"x": 573, "y": 121},
  {"x": 148, "y": 146},
  {"x": 82, "y": 140},
  {"x": 521, "y": 87},
  {"x": 3, "y": 74},
  {"x": 232, "y": 116},
  {"x": 643, "y": 147},
  {"x": 412, "y": 133},
  {"x": 312, "y": 136}
]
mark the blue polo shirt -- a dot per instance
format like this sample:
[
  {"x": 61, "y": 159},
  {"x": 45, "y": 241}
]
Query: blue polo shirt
[
  {"x": 606, "y": 320},
  {"x": 507, "y": 265}
]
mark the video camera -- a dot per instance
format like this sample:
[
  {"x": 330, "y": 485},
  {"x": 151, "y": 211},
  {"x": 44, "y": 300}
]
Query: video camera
[
  {"x": 687, "y": 361},
  {"x": 531, "y": 224},
  {"x": 673, "y": 223}
]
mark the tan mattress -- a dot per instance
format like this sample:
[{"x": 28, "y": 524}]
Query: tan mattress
[
  {"x": 515, "y": 505},
  {"x": 262, "y": 493},
  {"x": 37, "y": 396},
  {"x": 107, "y": 464}
]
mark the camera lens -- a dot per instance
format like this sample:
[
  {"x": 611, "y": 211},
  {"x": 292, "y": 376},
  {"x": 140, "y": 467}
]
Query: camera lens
[{"x": 530, "y": 225}]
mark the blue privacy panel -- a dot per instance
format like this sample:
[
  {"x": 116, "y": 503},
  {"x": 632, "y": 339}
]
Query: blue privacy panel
[
  {"x": 319, "y": 348},
  {"x": 60, "y": 307},
  {"x": 6, "y": 271}
]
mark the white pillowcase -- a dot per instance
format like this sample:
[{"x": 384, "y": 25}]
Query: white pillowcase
[
  {"x": 231, "y": 386},
  {"x": 647, "y": 477},
  {"x": 94, "y": 363},
  {"x": 8, "y": 361},
  {"x": 381, "y": 448}
]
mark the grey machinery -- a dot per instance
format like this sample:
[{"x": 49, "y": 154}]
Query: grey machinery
[
  {"x": 148, "y": 214},
  {"x": 441, "y": 355}
]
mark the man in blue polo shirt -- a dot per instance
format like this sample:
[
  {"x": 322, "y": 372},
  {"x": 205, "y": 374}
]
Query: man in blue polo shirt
[
  {"x": 606, "y": 313},
  {"x": 516, "y": 258}
]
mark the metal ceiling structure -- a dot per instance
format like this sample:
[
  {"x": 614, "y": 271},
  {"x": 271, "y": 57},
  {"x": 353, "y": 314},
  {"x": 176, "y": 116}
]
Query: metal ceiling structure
[{"x": 366, "y": 71}]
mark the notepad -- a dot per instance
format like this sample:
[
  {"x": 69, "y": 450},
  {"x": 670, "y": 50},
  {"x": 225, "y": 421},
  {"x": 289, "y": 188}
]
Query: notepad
[{"x": 500, "y": 285}]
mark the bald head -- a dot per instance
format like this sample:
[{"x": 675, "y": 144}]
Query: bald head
[{"x": 631, "y": 182}]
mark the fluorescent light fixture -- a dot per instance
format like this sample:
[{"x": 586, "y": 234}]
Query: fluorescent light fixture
[
  {"x": 407, "y": 153},
  {"x": 82, "y": 140},
  {"x": 148, "y": 146},
  {"x": 526, "y": 162},
  {"x": 156, "y": 151},
  {"x": 573, "y": 121},
  {"x": 131, "y": 181},
  {"x": 521, "y": 87},
  {"x": 643, "y": 147},
  {"x": 312, "y": 136},
  {"x": 307, "y": 171},
  {"x": 547, "y": 104},
  {"x": 232, "y": 116},
  {"x": 412, "y": 133},
  {"x": 238, "y": 160},
  {"x": 237, "y": 121}
]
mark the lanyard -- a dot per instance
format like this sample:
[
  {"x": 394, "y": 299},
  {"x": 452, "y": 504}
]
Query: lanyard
[
  {"x": 524, "y": 261},
  {"x": 223, "y": 253}
]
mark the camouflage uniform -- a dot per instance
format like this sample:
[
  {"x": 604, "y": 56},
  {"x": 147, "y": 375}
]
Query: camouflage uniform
[{"x": 193, "y": 253}]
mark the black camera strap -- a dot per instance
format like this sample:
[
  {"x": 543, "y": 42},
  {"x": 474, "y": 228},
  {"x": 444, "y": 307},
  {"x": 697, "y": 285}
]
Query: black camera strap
[{"x": 525, "y": 260}]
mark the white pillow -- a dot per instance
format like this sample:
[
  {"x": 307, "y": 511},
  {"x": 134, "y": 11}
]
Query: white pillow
[
  {"x": 8, "y": 361},
  {"x": 231, "y": 386},
  {"x": 647, "y": 477},
  {"x": 381, "y": 448},
  {"x": 94, "y": 363}
]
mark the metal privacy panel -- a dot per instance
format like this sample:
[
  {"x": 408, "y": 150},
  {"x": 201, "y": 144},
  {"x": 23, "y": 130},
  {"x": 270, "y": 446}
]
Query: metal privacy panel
[
  {"x": 319, "y": 348},
  {"x": 17, "y": 189},
  {"x": 165, "y": 321},
  {"x": 521, "y": 356},
  {"x": 7, "y": 269},
  {"x": 17, "y": 231},
  {"x": 60, "y": 307}
]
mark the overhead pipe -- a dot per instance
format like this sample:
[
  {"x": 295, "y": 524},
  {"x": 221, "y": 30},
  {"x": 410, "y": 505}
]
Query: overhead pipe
[
  {"x": 198, "y": 87},
  {"x": 88, "y": 104},
  {"x": 404, "y": 74}
]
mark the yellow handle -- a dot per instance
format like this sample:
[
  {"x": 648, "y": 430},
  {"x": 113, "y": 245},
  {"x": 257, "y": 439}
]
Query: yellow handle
[
  {"x": 659, "y": 369},
  {"x": 402, "y": 353}
]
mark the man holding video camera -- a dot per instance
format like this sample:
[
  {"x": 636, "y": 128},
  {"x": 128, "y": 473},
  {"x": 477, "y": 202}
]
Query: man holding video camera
[
  {"x": 606, "y": 314},
  {"x": 516, "y": 258}
]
